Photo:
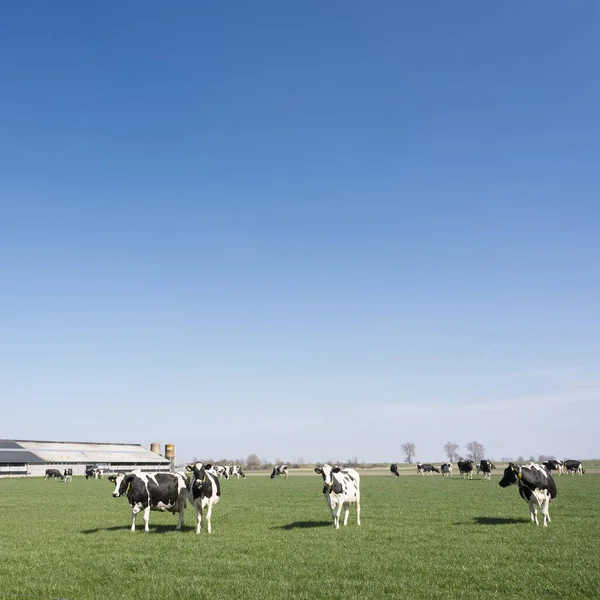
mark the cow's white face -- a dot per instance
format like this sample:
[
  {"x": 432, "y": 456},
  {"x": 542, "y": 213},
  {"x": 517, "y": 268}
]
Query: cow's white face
[
  {"x": 120, "y": 484},
  {"x": 327, "y": 472}
]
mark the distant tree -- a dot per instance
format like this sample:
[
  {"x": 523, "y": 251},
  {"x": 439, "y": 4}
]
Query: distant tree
[
  {"x": 450, "y": 448},
  {"x": 520, "y": 459},
  {"x": 544, "y": 457},
  {"x": 476, "y": 451},
  {"x": 352, "y": 462},
  {"x": 300, "y": 460},
  {"x": 532, "y": 458},
  {"x": 506, "y": 459},
  {"x": 253, "y": 461},
  {"x": 409, "y": 450}
]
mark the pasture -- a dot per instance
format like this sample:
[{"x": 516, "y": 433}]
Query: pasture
[{"x": 421, "y": 537}]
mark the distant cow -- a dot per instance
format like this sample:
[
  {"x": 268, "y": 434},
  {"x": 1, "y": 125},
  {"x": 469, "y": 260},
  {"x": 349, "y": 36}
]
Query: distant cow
[
  {"x": 394, "y": 469},
  {"x": 426, "y": 469},
  {"x": 236, "y": 471},
  {"x": 53, "y": 474},
  {"x": 341, "y": 488},
  {"x": 536, "y": 487},
  {"x": 93, "y": 472},
  {"x": 205, "y": 492},
  {"x": 574, "y": 467},
  {"x": 68, "y": 475},
  {"x": 465, "y": 468},
  {"x": 152, "y": 491},
  {"x": 446, "y": 469},
  {"x": 279, "y": 470},
  {"x": 485, "y": 467},
  {"x": 219, "y": 471},
  {"x": 554, "y": 465}
]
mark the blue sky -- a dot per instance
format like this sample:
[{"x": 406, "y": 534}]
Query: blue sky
[{"x": 316, "y": 229}]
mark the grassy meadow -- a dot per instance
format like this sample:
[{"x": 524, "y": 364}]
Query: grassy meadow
[{"x": 421, "y": 537}]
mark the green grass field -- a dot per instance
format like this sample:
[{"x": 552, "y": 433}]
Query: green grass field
[{"x": 421, "y": 537}]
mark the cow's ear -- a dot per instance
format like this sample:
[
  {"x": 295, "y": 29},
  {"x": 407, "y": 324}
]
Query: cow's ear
[
  {"x": 319, "y": 470},
  {"x": 112, "y": 478},
  {"x": 207, "y": 467},
  {"x": 335, "y": 470},
  {"x": 189, "y": 468}
]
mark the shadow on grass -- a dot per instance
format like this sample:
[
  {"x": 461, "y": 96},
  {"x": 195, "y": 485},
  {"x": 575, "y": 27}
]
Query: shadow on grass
[
  {"x": 497, "y": 521},
  {"x": 153, "y": 528},
  {"x": 304, "y": 525}
]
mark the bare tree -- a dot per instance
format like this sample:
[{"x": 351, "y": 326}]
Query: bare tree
[
  {"x": 253, "y": 461},
  {"x": 476, "y": 451},
  {"x": 450, "y": 448},
  {"x": 409, "y": 450}
]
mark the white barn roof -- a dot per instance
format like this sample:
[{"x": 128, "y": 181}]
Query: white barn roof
[{"x": 85, "y": 452}]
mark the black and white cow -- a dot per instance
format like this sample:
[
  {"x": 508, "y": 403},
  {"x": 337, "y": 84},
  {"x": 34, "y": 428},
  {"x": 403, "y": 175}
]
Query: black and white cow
[
  {"x": 426, "y": 469},
  {"x": 536, "y": 487},
  {"x": 68, "y": 475},
  {"x": 279, "y": 470},
  {"x": 93, "y": 472},
  {"x": 205, "y": 492},
  {"x": 53, "y": 474},
  {"x": 219, "y": 471},
  {"x": 485, "y": 467},
  {"x": 152, "y": 491},
  {"x": 394, "y": 469},
  {"x": 554, "y": 465},
  {"x": 341, "y": 488},
  {"x": 236, "y": 471},
  {"x": 574, "y": 467},
  {"x": 446, "y": 469},
  {"x": 465, "y": 468}
]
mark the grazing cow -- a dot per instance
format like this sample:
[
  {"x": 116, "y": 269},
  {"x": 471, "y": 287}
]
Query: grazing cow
[
  {"x": 219, "y": 471},
  {"x": 536, "y": 487},
  {"x": 485, "y": 467},
  {"x": 236, "y": 471},
  {"x": 465, "y": 468},
  {"x": 152, "y": 491},
  {"x": 426, "y": 469},
  {"x": 574, "y": 467},
  {"x": 205, "y": 491},
  {"x": 394, "y": 469},
  {"x": 446, "y": 469},
  {"x": 554, "y": 465},
  {"x": 93, "y": 472},
  {"x": 53, "y": 474},
  {"x": 68, "y": 475},
  {"x": 279, "y": 470},
  {"x": 341, "y": 489}
]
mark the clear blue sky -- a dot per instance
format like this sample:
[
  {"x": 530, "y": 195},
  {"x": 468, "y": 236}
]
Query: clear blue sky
[{"x": 316, "y": 229}]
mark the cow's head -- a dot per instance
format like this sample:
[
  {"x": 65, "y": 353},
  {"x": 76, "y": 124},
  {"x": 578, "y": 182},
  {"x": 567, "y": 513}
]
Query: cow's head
[
  {"x": 327, "y": 472},
  {"x": 121, "y": 481},
  {"x": 274, "y": 473},
  {"x": 512, "y": 474},
  {"x": 199, "y": 470},
  {"x": 241, "y": 472}
]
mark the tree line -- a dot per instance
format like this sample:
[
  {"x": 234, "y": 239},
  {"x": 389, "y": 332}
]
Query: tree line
[{"x": 475, "y": 451}]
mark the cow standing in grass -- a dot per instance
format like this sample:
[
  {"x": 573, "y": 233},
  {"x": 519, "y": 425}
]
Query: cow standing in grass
[
  {"x": 485, "y": 467},
  {"x": 279, "y": 470},
  {"x": 574, "y": 467},
  {"x": 205, "y": 492},
  {"x": 394, "y": 469},
  {"x": 465, "y": 468},
  {"x": 68, "y": 475},
  {"x": 446, "y": 469},
  {"x": 53, "y": 474},
  {"x": 536, "y": 487},
  {"x": 152, "y": 491},
  {"x": 341, "y": 488}
]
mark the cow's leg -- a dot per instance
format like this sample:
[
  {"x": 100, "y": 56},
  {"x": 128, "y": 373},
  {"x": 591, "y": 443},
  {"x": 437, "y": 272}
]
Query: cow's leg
[
  {"x": 358, "y": 510},
  {"x": 336, "y": 518},
  {"x": 346, "y": 514},
  {"x": 135, "y": 509},
  {"x": 198, "y": 517},
  {"x": 146, "y": 518},
  {"x": 208, "y": 516},
  {"x": 545, "y": 511},
  {"x": 533, "y": 513}
]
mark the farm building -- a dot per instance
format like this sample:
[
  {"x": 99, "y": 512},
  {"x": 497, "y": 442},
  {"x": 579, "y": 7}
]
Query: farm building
[{"x": 32, "y": 458}]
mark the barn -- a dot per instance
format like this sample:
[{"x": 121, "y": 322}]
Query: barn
[{"x": 32, "y": 458}]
